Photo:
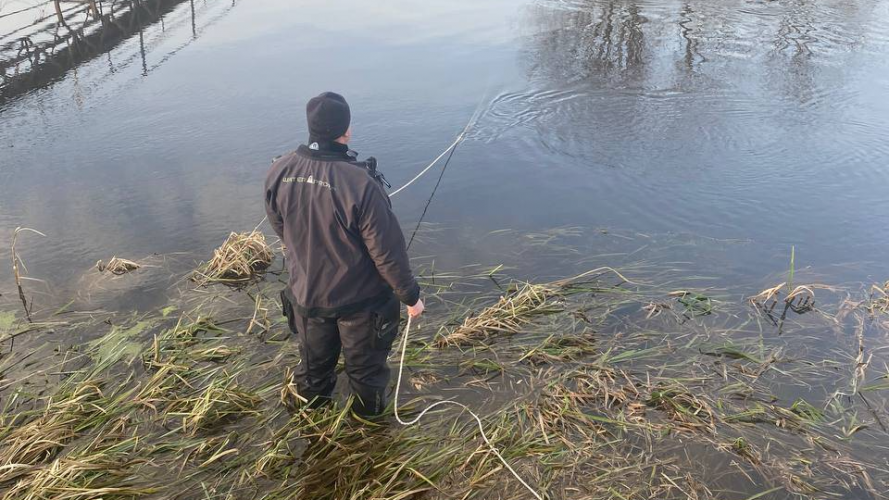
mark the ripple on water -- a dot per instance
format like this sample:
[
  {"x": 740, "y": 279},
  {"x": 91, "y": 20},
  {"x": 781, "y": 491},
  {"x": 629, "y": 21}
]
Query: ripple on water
[{"x": 703, "y": 115}]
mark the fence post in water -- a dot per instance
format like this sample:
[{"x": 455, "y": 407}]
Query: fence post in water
[
  {"x": 58, "y": 5},
  {"x": 95, "y": 9}
]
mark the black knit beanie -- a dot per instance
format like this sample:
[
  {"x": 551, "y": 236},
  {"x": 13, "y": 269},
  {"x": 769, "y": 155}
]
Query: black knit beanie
[{"x": 328, "y": 117}]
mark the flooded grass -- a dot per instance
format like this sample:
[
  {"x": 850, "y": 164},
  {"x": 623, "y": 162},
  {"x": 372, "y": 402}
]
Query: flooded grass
[
  {"x": 599, "y": 387},
  {"x": 582, "y": 388},
  {"x": 513, "y": 311},
  {"x": 117, "y": 266}
]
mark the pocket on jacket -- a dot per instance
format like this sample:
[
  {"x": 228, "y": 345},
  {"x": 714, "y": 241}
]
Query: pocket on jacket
[{"x": 386, "y": 320}]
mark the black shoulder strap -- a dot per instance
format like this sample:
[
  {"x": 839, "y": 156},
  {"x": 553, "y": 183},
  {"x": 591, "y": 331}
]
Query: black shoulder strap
[{"x": 370, "y": 164}]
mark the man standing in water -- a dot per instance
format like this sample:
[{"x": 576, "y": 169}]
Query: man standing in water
[{"x": 346, "y": 256}]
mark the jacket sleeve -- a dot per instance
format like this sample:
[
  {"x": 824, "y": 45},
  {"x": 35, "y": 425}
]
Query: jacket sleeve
[
  {"x": 271, "y": 209},
  {"x": 384, "y": 240}
]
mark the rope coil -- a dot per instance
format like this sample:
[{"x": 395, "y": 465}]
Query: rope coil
[{"x": 465, "y": 408}]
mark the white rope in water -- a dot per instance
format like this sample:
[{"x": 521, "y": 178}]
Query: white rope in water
[
  {"x": 422, "y": 172},
  {"x": 452, "y": 403},
  {"x": 407, "y": 330},
  {"x": 472, "y": 120}
]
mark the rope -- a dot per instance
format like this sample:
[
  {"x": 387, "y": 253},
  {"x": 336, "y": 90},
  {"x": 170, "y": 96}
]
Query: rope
[
  {"x": 429, "y": 408},
  {"x": 429, "y": 201},
  {"x": 451, "y": 148},
  {"x": 422, "y": 172},
  {"x": 450, "y": 152}
]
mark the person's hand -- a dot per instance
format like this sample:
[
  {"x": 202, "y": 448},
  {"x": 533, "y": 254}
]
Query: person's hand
[{"x": 416, "y": 310}]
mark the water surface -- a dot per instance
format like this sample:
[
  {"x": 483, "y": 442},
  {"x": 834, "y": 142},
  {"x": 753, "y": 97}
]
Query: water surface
[
  {"x": 758, "y": 123},
  {"x": 702, "y": 139}
]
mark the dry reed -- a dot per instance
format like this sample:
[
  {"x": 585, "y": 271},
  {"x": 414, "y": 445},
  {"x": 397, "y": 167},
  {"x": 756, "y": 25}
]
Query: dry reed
[
  {"x": 117, "y": 266},
  {"x": 595, "y": 402},
  {"x": 508, "y": 315},
  {"x": 521, "y": 305},
  {"x": 101, "y": 474},
  {"x": 218, "y": 403},
  {"x": 879, "y": 299},
  {"x": 15, "y": 268},
  {"x": 39, "y": 439},
  {"x": 240, "y": 259}
]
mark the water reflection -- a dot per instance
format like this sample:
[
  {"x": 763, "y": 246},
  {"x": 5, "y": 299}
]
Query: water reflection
[
  {"x": 659, "y": 117},
  {"x": 51, "y": 44},
  {"x": 594, "y": 39},
  {"x": 688, "y": 24},
  {"x": 719, "y": 118},
  {"x": 602, "y": 38},
  {"x": 777, "y": 59}
]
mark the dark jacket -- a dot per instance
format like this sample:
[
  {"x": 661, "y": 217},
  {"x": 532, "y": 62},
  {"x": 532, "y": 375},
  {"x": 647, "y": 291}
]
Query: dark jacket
[{"x": 344, "y": 247}]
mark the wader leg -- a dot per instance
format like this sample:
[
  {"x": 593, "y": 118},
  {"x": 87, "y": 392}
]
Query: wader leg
[
  {"x": 319, "y": 351},
  {"x": 367, "y": 338}
]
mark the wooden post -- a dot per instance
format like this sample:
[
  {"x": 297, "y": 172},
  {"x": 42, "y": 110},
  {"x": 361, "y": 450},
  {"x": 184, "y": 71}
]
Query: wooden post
[
  {"x": 58, "y": 6},
  {"x": 95, "y": 9}
]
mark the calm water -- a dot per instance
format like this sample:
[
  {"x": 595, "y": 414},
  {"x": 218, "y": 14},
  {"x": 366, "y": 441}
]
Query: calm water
[
  {"x": 703, "y": 137},
  {"x": 715, "y": 133}
]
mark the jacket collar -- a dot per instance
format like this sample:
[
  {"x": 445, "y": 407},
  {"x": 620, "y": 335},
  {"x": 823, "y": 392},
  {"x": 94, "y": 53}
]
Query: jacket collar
[{"x": 327, "y": 151}]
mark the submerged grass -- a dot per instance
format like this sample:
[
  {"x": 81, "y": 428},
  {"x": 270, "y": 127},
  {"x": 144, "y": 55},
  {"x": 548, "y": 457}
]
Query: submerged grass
[
  {"x": 561, "y": 348},
  {"x": 683, "y": 407},
  {"x": 220, "y": 401},
  {"x": 38, "y": 440},
  {"x": 517, "y": 308},
  {"x": 117, "y": 266},
  {"x": 521, "y": 305},
  {"x": 879, "y": 301},
  {"x": 106, "y": 473},
  {"x": 592, "y": 396}
]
